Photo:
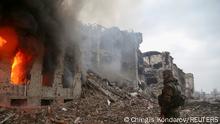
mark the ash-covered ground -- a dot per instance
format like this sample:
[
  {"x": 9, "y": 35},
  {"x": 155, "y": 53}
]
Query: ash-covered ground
[{"x": 103, "y": 104}]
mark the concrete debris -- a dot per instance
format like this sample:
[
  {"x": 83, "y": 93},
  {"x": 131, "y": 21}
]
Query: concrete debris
[
  {"x": 109, "y": 102},
  {"x": 111, "y": 96},
  {"x": 112, "y": 91},
  {"x": 134, "y": 94},
  {"x": 150, "y": 106},
  {"x": 77, "y": 120},
  {"x": 91, "y": 107},
  {"x": 64, "y": 109},
  {"x": 201, "y": 109},
  {"x": 7, "y": 118}
]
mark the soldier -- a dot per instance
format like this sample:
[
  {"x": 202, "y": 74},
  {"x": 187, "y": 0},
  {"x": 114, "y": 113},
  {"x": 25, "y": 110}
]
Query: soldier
[{"x": 171, "y": 99}]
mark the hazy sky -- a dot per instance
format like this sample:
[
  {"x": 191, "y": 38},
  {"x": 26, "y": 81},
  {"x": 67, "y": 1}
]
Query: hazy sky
[{"x": 189, "y": 29}]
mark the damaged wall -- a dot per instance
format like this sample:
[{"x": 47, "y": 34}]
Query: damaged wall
[
  {"x": 189, "y": 85},
  {"x": 34, "y": 91},
  {"x": 38, "y": 41},
  {"x": 154, "y": 63},
  {"x": 111, "y": 53}
]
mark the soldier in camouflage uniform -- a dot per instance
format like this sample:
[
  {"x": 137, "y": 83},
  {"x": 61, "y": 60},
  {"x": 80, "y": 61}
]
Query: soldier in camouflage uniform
[{"x": 171, "y": 99}]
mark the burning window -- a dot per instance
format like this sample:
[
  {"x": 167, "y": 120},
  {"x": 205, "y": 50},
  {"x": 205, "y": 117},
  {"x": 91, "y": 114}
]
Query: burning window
[
  {"x": 48, "y": 69},
  {"x": 19, "y": 69},
  {"x": 48, "y": 79},
  {"x": 21, "y": 61},
  {"x": 2, "y": 41},
  {"x": 8, "y": 41}
]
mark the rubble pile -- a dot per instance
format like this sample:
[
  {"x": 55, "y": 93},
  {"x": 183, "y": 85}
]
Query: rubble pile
[
  {"x": 201, "y": 109},
  {"x": 155, "y": 89},
  {"x": 101, "y": 102}
]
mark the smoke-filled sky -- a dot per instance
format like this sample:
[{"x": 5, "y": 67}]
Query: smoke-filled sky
[{"x": 189, "y": 29}]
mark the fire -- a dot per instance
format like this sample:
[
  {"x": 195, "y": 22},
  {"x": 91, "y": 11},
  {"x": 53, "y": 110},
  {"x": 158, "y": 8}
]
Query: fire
[
  {"x": 2, "y": 42},
  {"x": 8, "y": 41},
  {"x": 19, "y": 69}
]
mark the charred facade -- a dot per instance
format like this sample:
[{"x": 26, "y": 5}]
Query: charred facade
[
  {"x": 154, "y": 63},
  {"x": 34, "y": 61},
  {"x": 112, "y": 53}
]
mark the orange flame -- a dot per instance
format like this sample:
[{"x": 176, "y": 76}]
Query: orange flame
[
  {"x": 2, "y": 41},
  {"x": 8, "y": 41},
  {"x": 19, "y": 68}
]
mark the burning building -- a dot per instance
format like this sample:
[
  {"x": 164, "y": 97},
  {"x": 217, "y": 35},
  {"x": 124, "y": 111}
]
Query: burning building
[
  {"x": 44, "y": 52},
  {"x": 34, "y": 62}
]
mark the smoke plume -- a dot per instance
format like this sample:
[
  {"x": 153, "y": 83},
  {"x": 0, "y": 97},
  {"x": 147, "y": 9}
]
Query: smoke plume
[
  {"x": 109, "y": 12},
  {"x": 44, "y": 26}
]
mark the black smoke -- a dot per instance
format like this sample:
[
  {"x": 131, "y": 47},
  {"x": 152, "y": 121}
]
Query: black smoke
[{"x": 41, "y": 23}]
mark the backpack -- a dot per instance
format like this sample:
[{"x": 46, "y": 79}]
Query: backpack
[{"x": 178, "y": 99}]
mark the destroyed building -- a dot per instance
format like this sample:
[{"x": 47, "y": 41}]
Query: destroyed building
[
  {"x": 152, "y": 66},
  {"x": 111, "y": 53},
  {"x": 37, "y": 90},
  {"x": 189, "y": 91},
  {"x": 34, "y": 64},
  {"x": 44, "y": 56}
]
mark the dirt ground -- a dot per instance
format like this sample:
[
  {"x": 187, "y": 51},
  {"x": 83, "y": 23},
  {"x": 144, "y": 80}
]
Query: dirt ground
[
  {"x": 95, "y": 108},
  {"x": 98, "y": 106}
]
